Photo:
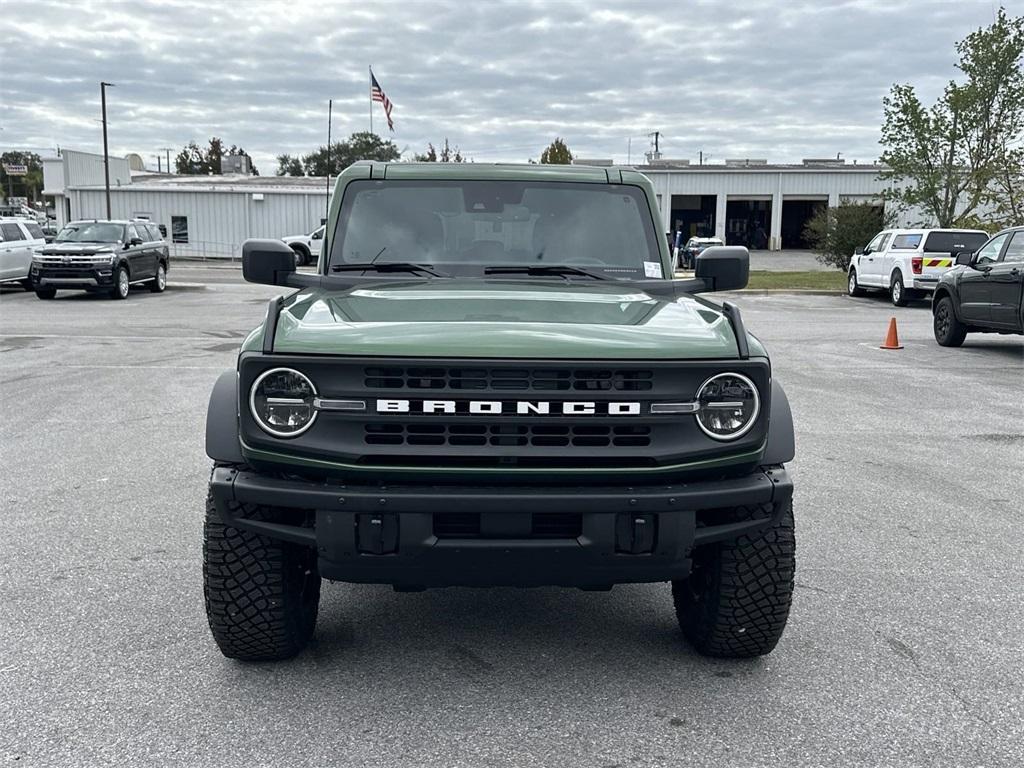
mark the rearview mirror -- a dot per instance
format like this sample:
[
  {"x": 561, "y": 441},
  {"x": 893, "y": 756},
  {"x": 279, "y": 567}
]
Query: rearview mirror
[
  {"x": 268, "y": 262},
  {"x": 724, "y": 267}
]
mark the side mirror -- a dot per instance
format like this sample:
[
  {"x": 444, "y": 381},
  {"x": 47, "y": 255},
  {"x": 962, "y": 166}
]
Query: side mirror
[
  {"x": 269, "y": 262},
  {"x": 135, "y": 241},
  {"x": 163, "y": 230},
  {"x": 965, "y": 258},
  {"x": 724, "y": 267},
  {"x": 860, "y": 251}
]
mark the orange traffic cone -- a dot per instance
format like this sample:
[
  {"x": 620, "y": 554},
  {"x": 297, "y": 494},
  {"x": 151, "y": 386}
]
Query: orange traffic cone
[{"x": 892, "y": 339}]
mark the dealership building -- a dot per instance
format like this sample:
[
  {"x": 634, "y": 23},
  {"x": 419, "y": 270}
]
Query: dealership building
[{"x": 743, "y": 202}]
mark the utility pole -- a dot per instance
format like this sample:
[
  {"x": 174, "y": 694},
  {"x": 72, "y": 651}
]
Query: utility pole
[
  {"x": 168, "y": 151},
  {"x": 158, "y": 161},
  {"x": 106, "y": 156}
]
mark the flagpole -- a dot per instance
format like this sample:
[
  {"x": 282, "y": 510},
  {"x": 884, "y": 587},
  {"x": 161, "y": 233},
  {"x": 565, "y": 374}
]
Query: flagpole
[
  {"x": 371, "y": 97},
  {"x": 330, "y": 105}
]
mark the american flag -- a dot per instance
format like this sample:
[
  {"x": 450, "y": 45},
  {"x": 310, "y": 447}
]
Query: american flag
[{"x": 377, "y": 94}]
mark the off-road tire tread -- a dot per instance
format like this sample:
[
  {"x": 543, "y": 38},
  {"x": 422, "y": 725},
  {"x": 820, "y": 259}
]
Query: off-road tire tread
[
  {"x": 748, "y": 592},
  {"x": 253, "y": 588}
]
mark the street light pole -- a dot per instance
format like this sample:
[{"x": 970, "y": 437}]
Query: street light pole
[{"x": 106, "y": 157}]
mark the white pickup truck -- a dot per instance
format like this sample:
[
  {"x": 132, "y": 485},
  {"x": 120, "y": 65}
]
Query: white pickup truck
[
  {"x": 907, "y": 263},
  {"x": 306, "y": 247}
]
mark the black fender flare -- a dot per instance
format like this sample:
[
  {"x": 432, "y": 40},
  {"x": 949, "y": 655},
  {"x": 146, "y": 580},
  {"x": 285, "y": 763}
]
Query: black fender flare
[
  {"x": 942, "y": 291},
  {"x": 781, "y": 445},
  {"x": 222, "y": 420}
]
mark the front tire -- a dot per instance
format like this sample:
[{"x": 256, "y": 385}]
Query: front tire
[
  {"x": 301, "y": 257},
  {"x": 852, "y": 287},
  {"x": 122, "y": 285},
  {"x": 949, "y": 332},
  {"x": 736, "y": 601},
  {"x": 46, "y": 293},
  {"x": 262, "y": 595},
  {"x": 159, "y": 283},
  {"x": 898, "y": 291}
]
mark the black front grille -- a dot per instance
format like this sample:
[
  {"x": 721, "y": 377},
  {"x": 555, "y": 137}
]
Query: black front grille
[
  {"x": 509, "y": 379},
  {"x": 539, "y": 435},
  {"x": 539, "y": 525}
]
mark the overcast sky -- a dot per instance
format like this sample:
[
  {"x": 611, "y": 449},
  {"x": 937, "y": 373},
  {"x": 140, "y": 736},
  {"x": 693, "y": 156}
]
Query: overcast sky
[{"x": 776, "y": 80}]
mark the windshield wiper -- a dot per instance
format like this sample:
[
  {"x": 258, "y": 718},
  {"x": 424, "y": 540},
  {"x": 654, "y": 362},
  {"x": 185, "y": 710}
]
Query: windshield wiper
[
  {"x": 559, "y": 270},
  {"x": 388, "y": 266}
]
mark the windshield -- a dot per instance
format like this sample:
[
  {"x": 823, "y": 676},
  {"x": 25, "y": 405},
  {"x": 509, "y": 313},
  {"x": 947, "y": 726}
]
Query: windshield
[
  {"x": 91, "y": 232},
  {"x": 468, "y": 226}
]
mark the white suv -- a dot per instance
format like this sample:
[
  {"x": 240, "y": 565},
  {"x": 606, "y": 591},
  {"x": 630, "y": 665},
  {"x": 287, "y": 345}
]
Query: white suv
[
  {"x": 908, "y": 262},
  {"x": 19, "y": 238},
  {"x": 306, "y": 247}
]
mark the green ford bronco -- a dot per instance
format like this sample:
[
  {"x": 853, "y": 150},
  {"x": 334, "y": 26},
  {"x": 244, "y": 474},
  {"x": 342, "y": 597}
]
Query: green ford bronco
[{"x": 493, "y": 379}]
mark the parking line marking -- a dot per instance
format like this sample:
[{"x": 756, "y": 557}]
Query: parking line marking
[
  {"x": 122, "y": 338},
  {"x": 151, "y": 367}
]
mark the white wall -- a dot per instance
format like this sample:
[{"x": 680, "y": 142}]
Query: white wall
[{"x": 218, "y": 220}]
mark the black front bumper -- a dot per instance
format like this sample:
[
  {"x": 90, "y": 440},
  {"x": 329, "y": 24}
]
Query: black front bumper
[
  {"x": 88, "y": 277},
  {"x": 416, "y": 536}
]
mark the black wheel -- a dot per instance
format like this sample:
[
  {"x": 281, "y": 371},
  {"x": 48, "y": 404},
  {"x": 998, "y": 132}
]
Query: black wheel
[
  {"x": 262, "y": 595},
  {"x": 27, "y": 284},
  {"x": 121, "y": 285},
  {"x": 852, "y": 287},
  {"x": 897, "y": 291},
  {"x": 301, "y": 257},
  {"x": 949, "y": 331},
  {"x": 736, "y": 601},
  {"x": 46, "y": 293},
  {"x": 159, "y": 283}
]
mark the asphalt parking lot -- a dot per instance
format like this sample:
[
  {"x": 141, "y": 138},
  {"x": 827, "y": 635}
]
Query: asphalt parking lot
[{"x": 904, "y": 646}]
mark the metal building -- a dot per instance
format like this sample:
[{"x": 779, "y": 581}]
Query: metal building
[
  {"x": 745, "y": 202},
  {"x": 752, "y": 203}
]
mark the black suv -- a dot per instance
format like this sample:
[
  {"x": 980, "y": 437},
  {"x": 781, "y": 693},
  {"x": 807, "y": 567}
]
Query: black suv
[
  {"x": 984, "y": 292},
  {"x": 99, "y": 255}
]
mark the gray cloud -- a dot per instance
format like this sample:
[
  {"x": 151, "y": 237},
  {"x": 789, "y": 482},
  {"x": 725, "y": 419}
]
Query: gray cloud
[{"x": 781, "y": 80}]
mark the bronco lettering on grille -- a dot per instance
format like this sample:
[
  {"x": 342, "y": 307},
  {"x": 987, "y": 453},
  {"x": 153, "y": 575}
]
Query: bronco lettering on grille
[{"x": 518, "y": 407}]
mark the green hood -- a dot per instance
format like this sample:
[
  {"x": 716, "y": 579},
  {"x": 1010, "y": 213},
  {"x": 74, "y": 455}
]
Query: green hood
[{"x": 502, "y": 319}]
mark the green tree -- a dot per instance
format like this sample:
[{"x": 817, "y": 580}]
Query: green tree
[
  {"x": 946, "y": 159},
  {"x": 359, "y": 146},
  {"x": 31, "y": 184},
  {"x": 194, "y": 160},
  {"x": 446, "y": 155},
  {"x": 557, "y": 153},
  {"x": 289, "y": 165},
  {"x": 835, "y": 233}
]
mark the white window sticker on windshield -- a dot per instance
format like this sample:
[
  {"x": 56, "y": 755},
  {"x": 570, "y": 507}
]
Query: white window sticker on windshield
[{"x": 652, "y": 269}]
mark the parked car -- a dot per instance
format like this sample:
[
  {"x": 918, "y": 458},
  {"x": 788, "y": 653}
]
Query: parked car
[
  {"x": 545, "y": 408},
  {"x": 306, "y": 247},
  {"x": 688, "y": 254},
  {"x": 984, "y": 292},
  {"x": 19, "y": 238},
  {"x": 907, "y": 263},
  {"x": 101, "y": 255}
]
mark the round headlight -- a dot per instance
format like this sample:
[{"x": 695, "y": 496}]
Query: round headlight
[
  {"x": 729, "y": 405},
  {"x": 281, "y": 401}
]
